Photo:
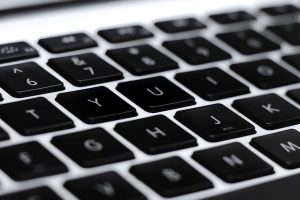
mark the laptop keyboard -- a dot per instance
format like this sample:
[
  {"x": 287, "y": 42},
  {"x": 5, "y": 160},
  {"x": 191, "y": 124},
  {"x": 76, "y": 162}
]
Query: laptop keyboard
[{"x": 228, "y": 111}]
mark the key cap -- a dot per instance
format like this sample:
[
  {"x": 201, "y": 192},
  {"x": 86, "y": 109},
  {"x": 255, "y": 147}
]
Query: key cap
[
  {"x": 92, "y": 148},
  {"x": 281, "y": 10},
  {"x": 105, "y": 186},
  {"x": 16, "y": 51},
  {"x": 155, "y": 94},
  {"x": 248, "y": 42},
  {"x": 171, "y": 177},
  {"x": 233, "y": 162},
  {"x": 40, "y": 193},
  {"x": 269, "y": 111},
  {"x": 283, "y": 147},
  {"x": 294, "y": 94},
  {"x": 265, "y": 74},
  {"x": 85, "y": 69},
  {"x": 29, "y": 160},
  {"x": 283, "y": 188},
  {"x": 3, "y": 135},
  {"x": 142, "y": 60},
  {"x": 155, "y": 135},
  {"x": 34, "y": 116},
  {"x": 293, "y": 60},
  {"x": 288, "y": 32},
  {"x": 196, "y": 51},
  {"x": 125, "y": 34},
  {"x": 27, "y": 79},
  {"x": 239, "y": 16},
  {"x": 215, "y": 84},
  {"x": 217, "y": 122},
  {"x": 180, "y": 25},
  {"x": 100, "y": 105},
  {"x": 65, "y": 43}
]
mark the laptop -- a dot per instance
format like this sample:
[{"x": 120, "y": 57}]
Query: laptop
[{"x": 136, "y": 100}]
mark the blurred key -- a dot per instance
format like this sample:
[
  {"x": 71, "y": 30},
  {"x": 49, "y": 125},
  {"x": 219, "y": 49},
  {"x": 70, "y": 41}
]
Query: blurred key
[
  {"x": 180, "y": 25},
  {"x": 233, "y": 17},
  {"x": 16, "y": 51},
  {"x": 125, "y": 34},
  {"x": 65, "y": 43}
]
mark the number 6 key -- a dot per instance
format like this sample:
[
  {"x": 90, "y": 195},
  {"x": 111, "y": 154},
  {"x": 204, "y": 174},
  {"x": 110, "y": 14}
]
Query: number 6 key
[{"x": 27, "y": 79}]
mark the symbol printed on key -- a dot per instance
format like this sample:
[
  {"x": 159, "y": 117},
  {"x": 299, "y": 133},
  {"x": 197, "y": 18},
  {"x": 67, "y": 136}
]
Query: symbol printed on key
[
  {"x": 156, "y": 132},
  {"x": 68, "y": 39},
  {"x": 93, "y": 145},
  {"x": 181, "y": 23},
  {"x": 233, "y": 160},
  {"x": 215, "y": 120},
  {"x": 16, "y": 70},
  {"x": 95, "y": 101},
  {"x": 9, "y": 50},
  {"x": 134, "y": 51},
  {"x": 33, "y": 113},
  {"x": 269, "y": 108},
  {"x": 254, "y": 43},
  {"x": 78, "y": 62},
  {"x": 171, "y": 175},
  {"x": 289, "y": 147},
  {"x": 105, "y": 189},
  {"x": 265, "y": 70},
  {"x": 126, "y": 31},
  {"x": 203, "y": 51},
  {"x": 157, "y": 91},
  {"x": 211, "y": 80},
  {"x": 148, "y": 61}
]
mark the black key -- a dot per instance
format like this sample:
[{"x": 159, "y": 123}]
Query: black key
[
  {"x": 269, "y": 111},
  {"x": 294, "y": 94},
  {"x": 40, "y": 193},
  {"x": 180, "y": 25},
  {"x": 105, "y": 186},
  {"x": 3, "y": 135},
  {"x": 156, "y": 134},
  {"x": 27, "y": 79},
  {"x": 92, "y": 148},
  {"x": 284, "y": 188},
  {"x": 125, "y": 34},
  {"x": 265, "y": 74},
  {"x": 143, "y": 59},
  {"x": 217, "y": 122},
  {"x": 288, "y": 32},
  {"x": 283, "y": 147},
  {"x": 29, "y": 160},
  {"x": 232, "y": 17},
  {"x": 16, "y": 51},
  {"x": 100, "y": 105},
  {"x": 65, "y": 43},
  {"x": 155, "y": 94},
  {"x": 215, "y": 84},
  {"x": 85, "y": 69},
  {"x": 293, "y": 59},
  {"x": 281, "y": 10},
  {"x": 171, "y": 177},
  {"x": 34, "y": 116},
  {"x": 233, "y": 162},
  {"x": 196, "y": 51},
  {"x": 248, "y": 42}
]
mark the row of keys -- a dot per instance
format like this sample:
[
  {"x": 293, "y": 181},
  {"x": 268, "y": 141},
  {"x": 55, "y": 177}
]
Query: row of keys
[
  {"x": 171, "y": 176},
  {"x": 27, "y": 79},
  {"x": 154, "y": 95}
]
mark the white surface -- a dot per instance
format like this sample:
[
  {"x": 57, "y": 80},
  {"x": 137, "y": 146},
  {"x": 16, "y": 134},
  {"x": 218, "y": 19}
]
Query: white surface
[
  {"x": 4, "y": 4},
  {"x": 90, "y": 18}
]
